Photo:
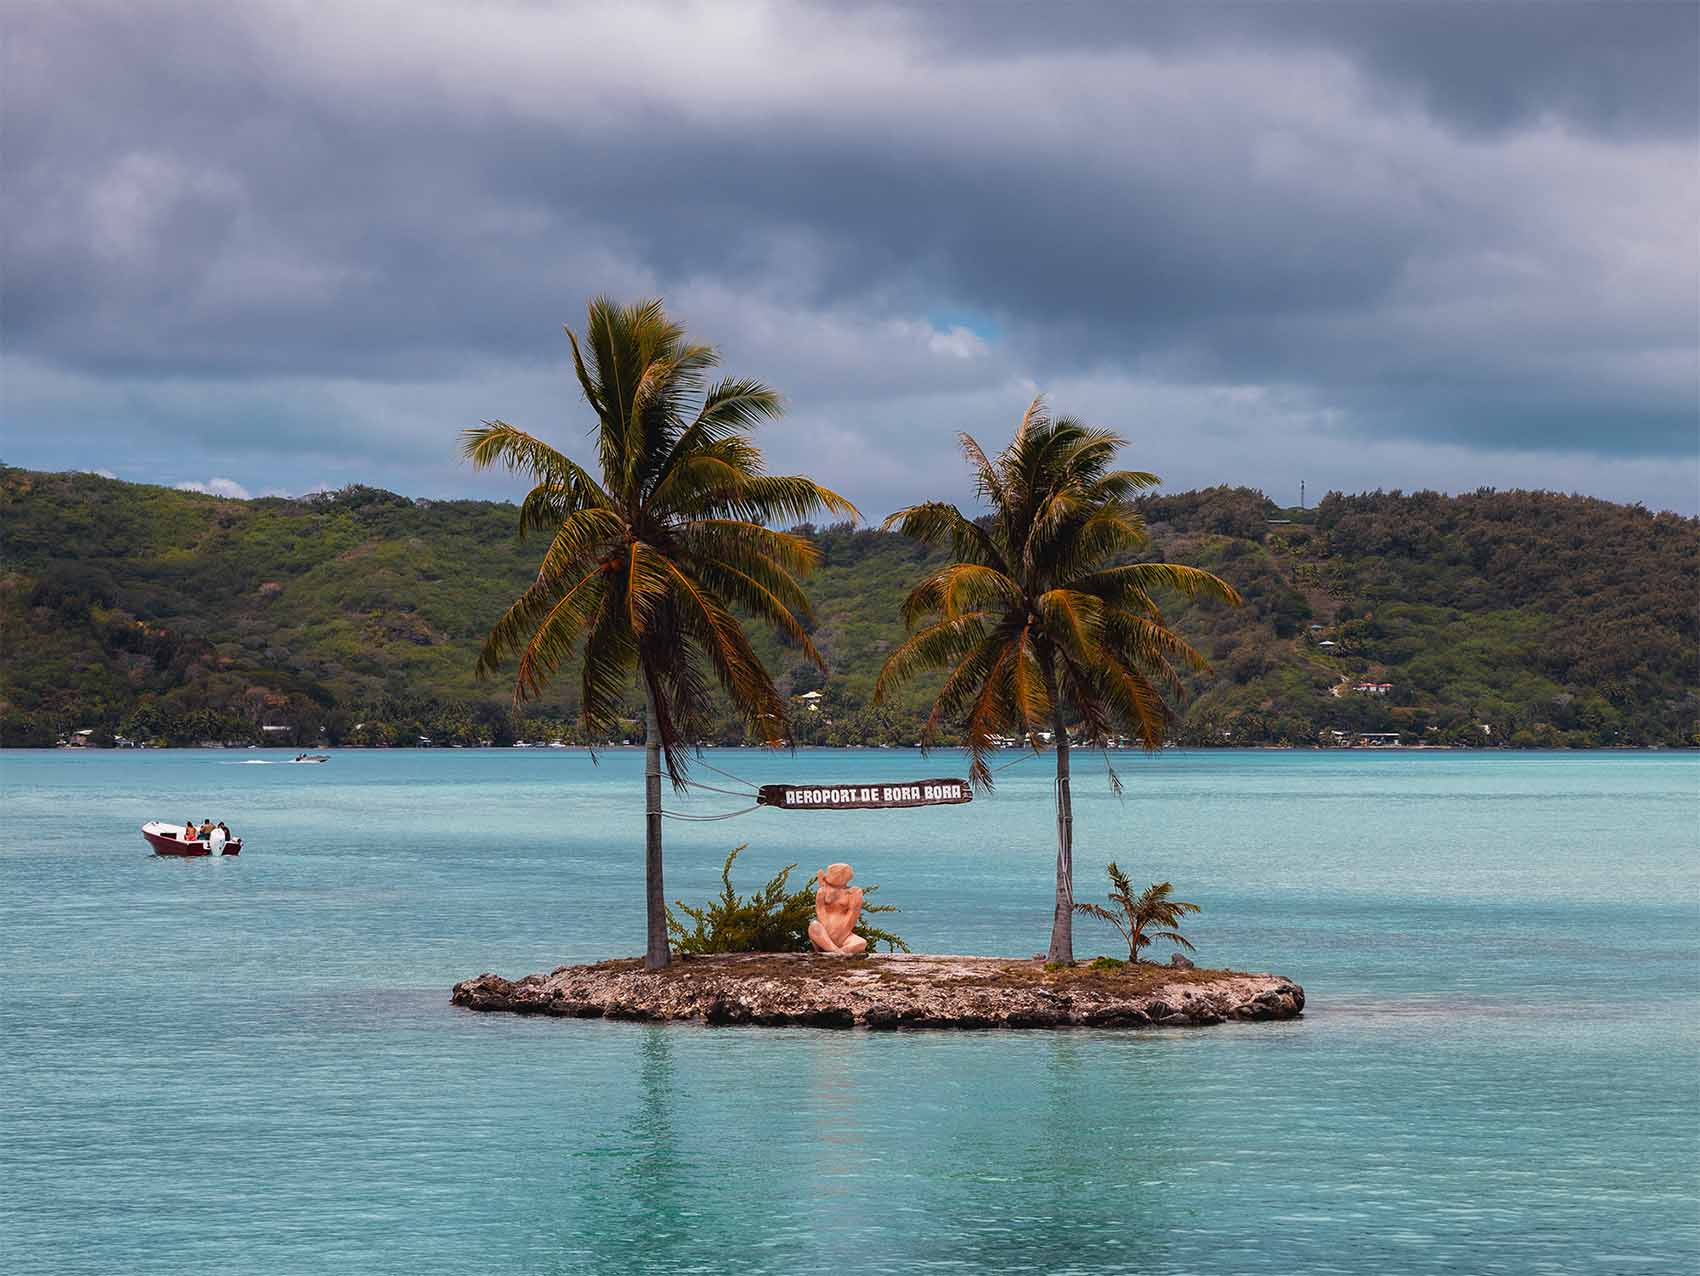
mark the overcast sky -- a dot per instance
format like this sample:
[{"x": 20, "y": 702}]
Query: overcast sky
[{"x": 269, "y": 247}]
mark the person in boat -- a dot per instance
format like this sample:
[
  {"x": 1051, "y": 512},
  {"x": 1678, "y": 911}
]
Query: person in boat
[
  {"x": 206, "y": 830},
  {"x": 225, "y": 829},
  {"x": 188, "y": 830}
]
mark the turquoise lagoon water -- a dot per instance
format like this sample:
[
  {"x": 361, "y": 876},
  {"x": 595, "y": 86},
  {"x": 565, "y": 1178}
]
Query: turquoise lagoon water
[{"x": 251, "y": 1065}]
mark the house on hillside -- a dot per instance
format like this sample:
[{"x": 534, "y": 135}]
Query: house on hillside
[
  {"x": 1329, "y": 643},
  {"x": 1374, "y": 688},
  {"x": 1378, "y": 740},
  {"x": 810, "y": 700}
]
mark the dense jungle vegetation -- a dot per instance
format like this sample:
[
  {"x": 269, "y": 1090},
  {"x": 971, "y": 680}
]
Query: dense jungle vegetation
[{"x": 1494, "y": 619}]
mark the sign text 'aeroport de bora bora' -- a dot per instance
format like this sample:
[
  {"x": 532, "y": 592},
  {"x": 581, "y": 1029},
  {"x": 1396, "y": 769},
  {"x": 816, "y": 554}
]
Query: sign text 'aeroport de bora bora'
[{"x": 861, "y": 797}]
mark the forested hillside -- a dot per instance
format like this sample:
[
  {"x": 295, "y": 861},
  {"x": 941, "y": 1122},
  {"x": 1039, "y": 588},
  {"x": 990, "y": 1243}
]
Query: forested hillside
[{"x": 1495, "y": 618}]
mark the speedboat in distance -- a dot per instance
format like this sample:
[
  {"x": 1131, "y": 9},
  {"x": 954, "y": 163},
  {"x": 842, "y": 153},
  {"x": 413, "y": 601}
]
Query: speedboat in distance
[{"x": 174, "y": 839}]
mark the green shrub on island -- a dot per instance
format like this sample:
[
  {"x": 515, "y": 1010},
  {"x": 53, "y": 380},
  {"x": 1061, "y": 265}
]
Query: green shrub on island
[
  {"x": 1137, "y": 916},
  {"x": 773, "y": 920}
]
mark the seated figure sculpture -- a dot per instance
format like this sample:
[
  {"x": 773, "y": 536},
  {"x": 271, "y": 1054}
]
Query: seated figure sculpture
[{"x": 838, "y": 907}]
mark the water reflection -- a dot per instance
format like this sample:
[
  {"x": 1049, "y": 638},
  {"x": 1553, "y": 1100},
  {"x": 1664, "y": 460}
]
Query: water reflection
[
  {"x": 627, "y": 1192},
  {"x": 653, "y": 1174},
  {"x": 1080, "y": 1185},
  {"x": 835, "y": 1103}
]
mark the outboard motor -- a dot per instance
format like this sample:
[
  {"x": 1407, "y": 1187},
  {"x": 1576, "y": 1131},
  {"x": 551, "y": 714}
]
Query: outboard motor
[{"x": 215, "y": 843}]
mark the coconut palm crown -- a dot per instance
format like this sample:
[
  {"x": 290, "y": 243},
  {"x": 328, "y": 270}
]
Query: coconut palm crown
[
  {"x": 1038, "y": 619},
  {"x": 648, "y": 557}
]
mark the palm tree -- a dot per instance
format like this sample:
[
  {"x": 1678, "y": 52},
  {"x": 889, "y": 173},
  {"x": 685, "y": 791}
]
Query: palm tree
[
  {"x": 646, "y": 561},
  {"x": 1135, "y": 915},
  {"x": 1035, "y": 621}
]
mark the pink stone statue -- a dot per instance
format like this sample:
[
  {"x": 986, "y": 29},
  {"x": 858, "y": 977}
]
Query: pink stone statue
[{"x": 838, "y": 907}]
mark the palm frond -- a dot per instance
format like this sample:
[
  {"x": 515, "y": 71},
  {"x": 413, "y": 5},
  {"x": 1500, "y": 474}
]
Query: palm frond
[
  {"x": 722, "y": 639},
  {"x": 587, "y": 384},
  {"x": 582, "y": 537},
  {"x": 988, "y": 483},
  {"x": 645, "y": 576},
  {"x": 777, "y": 498},
  {"x": 732, "y": 407},
  {"x": 935, "y": 647},
  {"x": 735, "y": 538},
  {"x": 1135, "y": 701},
  {"x": 1105, "y": 915},
  {"x": 996, "y": 708},
  {"x": 1194, "y": 582},
  {"x": 557, "y": 635},
  {"x": 961, "y": 686},
  {"x": 1028, "y": 684},
  {"x": 1140, "y": 641},
  {"x": 958, "y": 588},
  {"x": 509, "y": 634},
  {"x": 498, "y": 443},
  {"x": 606, "y": 664},
  {"x": 1074, "y": 621},
  {"x": 744, "y": 590},
  {"x": 940, "y": 524}
]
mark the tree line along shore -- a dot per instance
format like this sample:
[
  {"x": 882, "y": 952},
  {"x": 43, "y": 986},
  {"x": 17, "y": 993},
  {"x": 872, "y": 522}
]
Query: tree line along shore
[{"x": 1492, "y": 619}]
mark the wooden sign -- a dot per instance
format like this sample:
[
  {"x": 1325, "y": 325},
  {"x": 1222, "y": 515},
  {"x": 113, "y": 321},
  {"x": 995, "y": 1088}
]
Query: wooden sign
[{"x": 864, "y": 797}]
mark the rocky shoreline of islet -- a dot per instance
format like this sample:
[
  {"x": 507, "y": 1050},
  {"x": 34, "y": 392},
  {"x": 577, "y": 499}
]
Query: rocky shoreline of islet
[{"x": 889, "y": 991}]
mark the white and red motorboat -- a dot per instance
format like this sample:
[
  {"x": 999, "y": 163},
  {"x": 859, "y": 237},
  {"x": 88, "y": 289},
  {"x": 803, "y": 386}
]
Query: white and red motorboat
[{"x": 174, "y": 839}]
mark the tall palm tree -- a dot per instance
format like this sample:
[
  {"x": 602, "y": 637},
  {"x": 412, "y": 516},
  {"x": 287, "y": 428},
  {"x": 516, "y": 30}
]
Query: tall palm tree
[
  {"x": 1034, "y": 620},
  {"x": 646, "y": 561}
]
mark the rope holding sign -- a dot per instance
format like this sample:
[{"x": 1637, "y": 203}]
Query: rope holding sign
[
  {"x": 718, "y": 771},
  {"x": 705, "y": 819},
  {"x": 1026, "y": 756},
  {"x": 710, "y": 788}
]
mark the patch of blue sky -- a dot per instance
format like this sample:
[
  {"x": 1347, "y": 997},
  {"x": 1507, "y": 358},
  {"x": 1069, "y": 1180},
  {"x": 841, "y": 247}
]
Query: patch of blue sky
[{"x": 977, "y": 322}]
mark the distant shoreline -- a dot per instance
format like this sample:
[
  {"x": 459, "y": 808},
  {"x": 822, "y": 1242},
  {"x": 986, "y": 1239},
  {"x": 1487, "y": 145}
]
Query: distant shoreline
[
  {"x": 846, "y": 748},
  {"x": 165, "y": 614}
]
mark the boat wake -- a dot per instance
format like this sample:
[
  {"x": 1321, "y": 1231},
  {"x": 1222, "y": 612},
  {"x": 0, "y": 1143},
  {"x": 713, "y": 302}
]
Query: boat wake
[{"x": 308, "y": 761}]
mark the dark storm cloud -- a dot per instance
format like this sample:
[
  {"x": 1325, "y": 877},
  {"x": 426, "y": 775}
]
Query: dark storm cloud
[
  {"x": 264, "y": 227},
  {"x": 1624, "y": 67}
]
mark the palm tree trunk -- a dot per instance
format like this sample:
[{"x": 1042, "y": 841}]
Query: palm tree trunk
[
  {"x": 1062, "y": 923},
  {"x": 656, "y": 955}
]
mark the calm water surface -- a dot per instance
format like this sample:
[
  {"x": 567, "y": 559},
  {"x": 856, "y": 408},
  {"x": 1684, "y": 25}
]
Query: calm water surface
[{"x": 251, "y": 1065}]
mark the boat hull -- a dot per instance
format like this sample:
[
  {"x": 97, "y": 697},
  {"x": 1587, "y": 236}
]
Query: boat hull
[{"x": 166, "y": 844}]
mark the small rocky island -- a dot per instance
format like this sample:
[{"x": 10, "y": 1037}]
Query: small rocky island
[{"x": 889, "y": 991}]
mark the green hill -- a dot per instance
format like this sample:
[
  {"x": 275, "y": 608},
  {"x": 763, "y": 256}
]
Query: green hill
[{"x": 1522, "y": 618}]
